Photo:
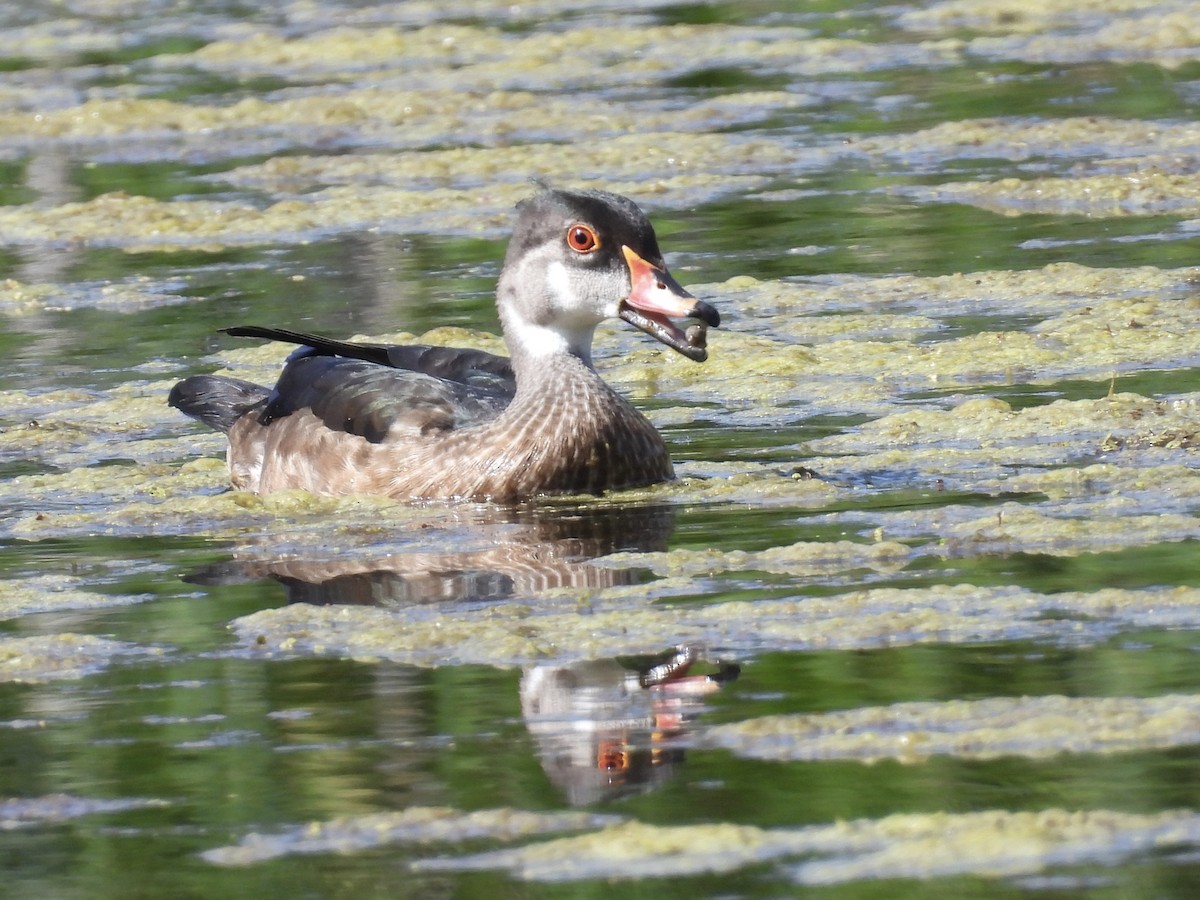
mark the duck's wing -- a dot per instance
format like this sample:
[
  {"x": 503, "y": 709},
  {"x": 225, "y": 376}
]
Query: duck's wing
[
  {"x": 370, "y": 400},
  {"x": 450, "y": 363},
  {"x": 373, "y": 389}
]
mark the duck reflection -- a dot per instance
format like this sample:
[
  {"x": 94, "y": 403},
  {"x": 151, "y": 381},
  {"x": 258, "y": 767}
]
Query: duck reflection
[
  {"x": 512, "y": 552},
  {"x": 604, "y": 729},
  {"x": 611, "y": 728}
]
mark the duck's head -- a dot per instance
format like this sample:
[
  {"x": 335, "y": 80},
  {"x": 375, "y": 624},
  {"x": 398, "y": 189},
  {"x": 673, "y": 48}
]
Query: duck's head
[{"x": 577, "y": 258}]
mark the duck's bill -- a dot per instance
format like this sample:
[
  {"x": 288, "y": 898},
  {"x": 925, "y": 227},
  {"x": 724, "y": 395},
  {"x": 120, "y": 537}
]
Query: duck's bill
[{"x": 655, "y": 297}]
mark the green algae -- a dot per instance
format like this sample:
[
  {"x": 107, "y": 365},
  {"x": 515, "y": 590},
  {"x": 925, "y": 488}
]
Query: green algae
[
  {"x": 1164, "y": 33},
  {"x": 645, "y": 156},
  {"x": 1144, "y": 192},
  {"x": 22, "y": 299},
  {"x": 1082, "y": 324},
  {"x": 17, "y": 298},
  {"x": 748, "y": 483},
  {"x": 373, "y": 116},
  {"x": 56, "y": 39},
  {"x": 980, "y": 429},
  {"x": 53, "y": 809},
  {"x": 624, "y": 620},
  {"x": 991, "y": 844},
  {"x": 1043, "y": 292},
  {"x": 53, "y": 593},
  {"x": 1167, "y": 35},
  {"x": 1094, "y": 323},
  {"x": 415, "y": 825},
  {"x": 1144, "y": 491},
  {"x": 139, "y": 224},
  {"x": 1016, "y": 529},
  {"x": 72, "y": 428},
  {"x": 1128, "y": 167},
  {"x": 53, "y": 657},
  {"x": 1034, "y": 727},
  {"x": 1018, "y": 16},
  {"x": 1020, "y": 139},
  {"x": 629, "y": 850},
  {"x": 997, "y": 844},
  {"x": 488, "y": 57},
  {"x": 168, "y": 499},
  {"x": 815, "y": 558}
]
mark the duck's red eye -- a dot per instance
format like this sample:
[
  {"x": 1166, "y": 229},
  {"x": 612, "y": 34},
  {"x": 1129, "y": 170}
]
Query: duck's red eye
[{"x": 582, "y": 239}]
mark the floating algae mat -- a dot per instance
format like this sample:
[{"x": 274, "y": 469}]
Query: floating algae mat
[
  {"x": 416, "y": 825},
  {"x": 593, "y": 624},
  {"x": 921, "y": 605},
  {"x": 60, "y": 656},
  {"x": 981, "y": 729},
  {"x": 60, "y": 808},
  {"x": 989, "y": 843},
  {"x": 1142, "y": 192}
]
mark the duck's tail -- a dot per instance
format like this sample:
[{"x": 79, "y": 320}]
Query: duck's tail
[{"x": 216, "y": 400}]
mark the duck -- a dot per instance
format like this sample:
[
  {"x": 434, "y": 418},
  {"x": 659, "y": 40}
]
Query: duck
[{"x": 417, "y": 422}]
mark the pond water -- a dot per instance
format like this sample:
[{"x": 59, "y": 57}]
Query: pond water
[{"x": 921, "y": 615}]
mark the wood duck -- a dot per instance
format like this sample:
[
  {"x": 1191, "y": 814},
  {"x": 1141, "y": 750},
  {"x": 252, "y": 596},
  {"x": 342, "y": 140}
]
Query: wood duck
[{"x": 435, "y": 423}]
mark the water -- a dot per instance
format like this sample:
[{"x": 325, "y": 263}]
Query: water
[{"x": 203, "y": 694}]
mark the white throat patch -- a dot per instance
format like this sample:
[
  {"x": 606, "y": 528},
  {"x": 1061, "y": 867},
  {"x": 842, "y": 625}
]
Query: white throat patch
[{"x": 544, "y": 340}]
